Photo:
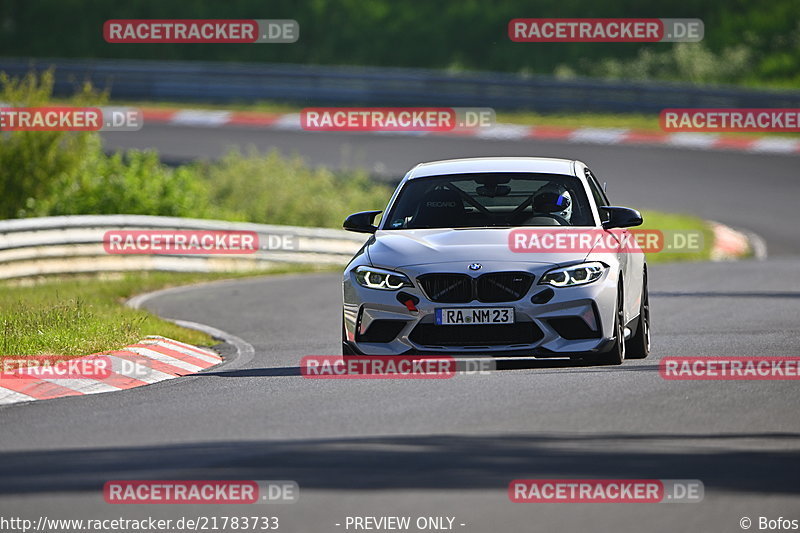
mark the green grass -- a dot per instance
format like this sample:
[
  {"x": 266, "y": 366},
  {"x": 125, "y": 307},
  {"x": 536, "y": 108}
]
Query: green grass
[
  {"x": 79, "y": 315},
  {"x": 667, "y": 222}
]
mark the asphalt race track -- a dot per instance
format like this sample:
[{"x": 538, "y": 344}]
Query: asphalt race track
[{"x": 450, "y": 447}]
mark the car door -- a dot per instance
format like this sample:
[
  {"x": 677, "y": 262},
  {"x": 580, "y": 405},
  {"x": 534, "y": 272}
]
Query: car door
[{"x": 631, "y": 261}]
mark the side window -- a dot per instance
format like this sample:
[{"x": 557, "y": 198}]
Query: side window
[{"x": 600, "y": 197}]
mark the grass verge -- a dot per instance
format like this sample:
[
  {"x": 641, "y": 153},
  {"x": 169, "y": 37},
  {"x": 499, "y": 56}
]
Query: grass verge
[
  {"x": 668, "y": 223},
  {"x": 79, "y": 315}
]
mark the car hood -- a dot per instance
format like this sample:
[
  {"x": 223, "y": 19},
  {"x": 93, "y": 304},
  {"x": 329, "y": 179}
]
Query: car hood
[{"x": 398, "y": 248}]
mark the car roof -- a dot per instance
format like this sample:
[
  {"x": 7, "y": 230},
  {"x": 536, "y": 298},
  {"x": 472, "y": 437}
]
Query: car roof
[{"x": 475, "y": 165}]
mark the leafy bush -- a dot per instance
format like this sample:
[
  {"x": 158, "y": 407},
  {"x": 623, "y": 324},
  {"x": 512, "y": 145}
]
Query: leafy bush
[
  {"x": 272, "y": 189},
  {"x": 136, "y": 183},
  {"x": 67, "y": 173},
  {"x": 31, "y": 162},
  {"x": 691, "y": 62}
]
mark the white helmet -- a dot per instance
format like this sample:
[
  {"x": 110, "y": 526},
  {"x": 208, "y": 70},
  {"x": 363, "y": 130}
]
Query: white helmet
[{"x": 553, "y": 199}]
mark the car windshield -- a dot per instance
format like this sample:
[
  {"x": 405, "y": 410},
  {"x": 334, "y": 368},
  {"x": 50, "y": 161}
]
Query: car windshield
[{"x": 490, "y": 200}]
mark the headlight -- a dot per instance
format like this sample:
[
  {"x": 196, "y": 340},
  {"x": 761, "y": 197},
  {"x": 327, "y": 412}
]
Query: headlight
[
  {"x": 574, "y": 275},
  {"x": 377, "y": 278}
]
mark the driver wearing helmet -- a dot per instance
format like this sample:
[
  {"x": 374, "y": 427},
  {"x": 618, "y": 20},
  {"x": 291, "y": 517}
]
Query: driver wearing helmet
[{"x": 552, "y": 206}]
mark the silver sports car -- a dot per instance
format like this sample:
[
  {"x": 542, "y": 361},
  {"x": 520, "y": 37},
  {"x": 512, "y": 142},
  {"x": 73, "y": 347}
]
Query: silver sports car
[{"x": 488, "y": 256}]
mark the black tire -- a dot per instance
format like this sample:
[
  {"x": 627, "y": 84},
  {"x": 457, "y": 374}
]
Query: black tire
[
  {"x": 638, "y": 346},
  {"x": 346, "y": 349},
  {"x": 616, "y": 354}
]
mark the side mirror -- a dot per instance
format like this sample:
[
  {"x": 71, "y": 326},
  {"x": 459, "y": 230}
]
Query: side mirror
[
  {"x": 361, "y": 222},
  {"x": 620, "y": 217}
]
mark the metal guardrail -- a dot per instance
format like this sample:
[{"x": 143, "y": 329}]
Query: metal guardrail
[
  {"x": 74, "y": 244},
  {"x": 326, "y": 85}
]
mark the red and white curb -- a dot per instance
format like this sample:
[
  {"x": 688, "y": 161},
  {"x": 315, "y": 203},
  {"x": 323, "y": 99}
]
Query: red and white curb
[
  {"x": 163, "y": 358},
  {"x": 730, "y": 244},
  {"x": 612, "y": 136}
]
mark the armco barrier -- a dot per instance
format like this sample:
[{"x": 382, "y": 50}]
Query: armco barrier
[
  {"x": 186, "y": 81},
  {"x": 74, "y": 244}
]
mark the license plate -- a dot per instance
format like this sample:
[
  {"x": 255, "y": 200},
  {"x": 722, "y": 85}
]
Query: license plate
[{"x": 458, "y": 316}]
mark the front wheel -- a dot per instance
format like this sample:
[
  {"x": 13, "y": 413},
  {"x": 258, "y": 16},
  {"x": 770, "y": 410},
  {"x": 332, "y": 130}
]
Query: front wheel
[
  {"x": 346, "y": 349},
  {"x": 639, "y": 345},
  {"x": 615, "y": 355}
]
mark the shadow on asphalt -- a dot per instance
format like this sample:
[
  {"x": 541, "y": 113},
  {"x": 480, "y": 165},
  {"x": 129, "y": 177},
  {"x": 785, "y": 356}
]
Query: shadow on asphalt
[
  {"x": 767, "y": 463},
  {"x": 720, "y": 294},
  {"x": 502, "y": 364}
]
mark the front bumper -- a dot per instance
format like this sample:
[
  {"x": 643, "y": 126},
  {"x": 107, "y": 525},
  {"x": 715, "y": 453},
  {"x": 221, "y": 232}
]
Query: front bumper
[{"x": 571, "y": 321}]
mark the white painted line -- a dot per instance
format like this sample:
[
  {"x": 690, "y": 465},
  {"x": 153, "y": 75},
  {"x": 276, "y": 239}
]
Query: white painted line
[
  {"x": 84, "y": 386},
  {"x": 290, "y": 121},
  {"x": 8, "y": 396},
  {"x": 158, "y": 356},
  {"x": 503, "y": 131},
  {"x": 126, "y": 368},
  {"x": 170, "y": 342},
  {"x": 598, "y": 135},
  {"x": 189, "y": 350},
  {"x": 199, "y": 117},
  {"x": 245, "y": 352},
  {"x": 777, "y": 145},
  {"x": 692, "y": 140},
  {"x": 194, "y": 353},
  {"x": 758, "y": 245}
]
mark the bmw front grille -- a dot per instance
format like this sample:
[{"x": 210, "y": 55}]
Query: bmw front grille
[{"x": 494, "y": 287}]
